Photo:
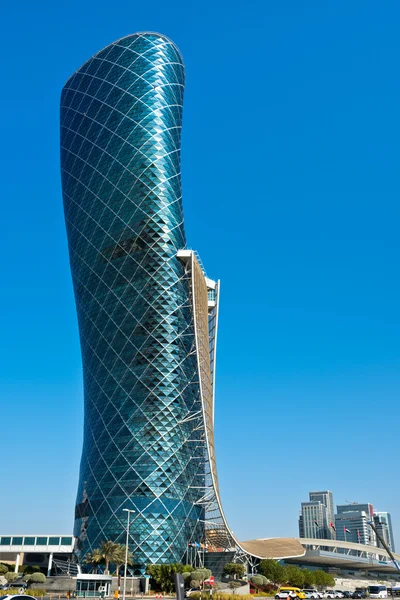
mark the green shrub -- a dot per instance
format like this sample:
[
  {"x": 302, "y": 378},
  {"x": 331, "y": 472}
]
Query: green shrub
[
  {"x": 11, "y": 577},
  {"x": 184, "y": 568},
  {"x": 200, "y": 574},
  {"x": 32, "y": 569},
  {"x": 256, "y": 579},
  {"x": 35, "y": 578},
  {"x": 323, "y": 579},
  {"x": 234, "y": 569},
  {"x": 162, "y": 576}
]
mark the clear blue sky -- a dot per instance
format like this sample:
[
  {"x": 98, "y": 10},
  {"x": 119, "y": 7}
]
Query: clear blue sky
[{"x": 291, "y": 147}]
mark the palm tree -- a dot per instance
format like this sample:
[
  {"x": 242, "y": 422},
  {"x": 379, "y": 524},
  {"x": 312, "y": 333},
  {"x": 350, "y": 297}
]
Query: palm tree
[
  {"x": 105, "y": 554},
  {"x": 108, "y": 550},
  {"x": 119, "y": 557},
  {"x": 94, "y": 558}
]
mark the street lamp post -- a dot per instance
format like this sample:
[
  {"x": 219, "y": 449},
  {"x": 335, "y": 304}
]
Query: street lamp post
[{"x": 126, "y": 550}]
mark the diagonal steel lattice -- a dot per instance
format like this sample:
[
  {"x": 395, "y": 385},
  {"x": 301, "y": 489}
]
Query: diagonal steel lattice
[{"x": 121, "y": 116}]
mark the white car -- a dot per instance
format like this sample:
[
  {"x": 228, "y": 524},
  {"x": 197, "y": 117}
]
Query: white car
[
  {"x": 312, "y": 594},
  {"x": 283, "y": 595},
  {"x": 188, "y": 592},
  {"x": 17, "y": 597}
]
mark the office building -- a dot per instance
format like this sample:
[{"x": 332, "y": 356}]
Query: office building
[
  {"x": 313, "y": 520},
  {"x": 383, "y": 524},
  {"x": 147, "y": 314},
  {"x": 326, "y": 498},
  {"x": 355, "y": 506},
  {"x": 301, "y": 525},
  {"x": 317, "y": 516},
  {"x": 43, "y": 550},
  {"x": 351, "y": 522}
]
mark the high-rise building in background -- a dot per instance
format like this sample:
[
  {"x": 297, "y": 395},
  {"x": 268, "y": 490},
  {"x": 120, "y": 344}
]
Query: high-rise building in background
[
  {"x": 147, "y": 313},
  {"x": 312, "y": 520},
  {"x": 383, "y": 523},
  {"x": 351, "y": 522},
  {"x": 317, "y": 516},
  {"x": 382, "y": 530},
  {"x": 326, "y": 498},
  {"x": 301, "y": 525},
  {"x": 317, "y": 520}
]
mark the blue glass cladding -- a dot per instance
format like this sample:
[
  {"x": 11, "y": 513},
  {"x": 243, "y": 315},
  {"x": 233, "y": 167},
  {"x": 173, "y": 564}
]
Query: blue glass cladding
[{"x": 121, "y": 118}]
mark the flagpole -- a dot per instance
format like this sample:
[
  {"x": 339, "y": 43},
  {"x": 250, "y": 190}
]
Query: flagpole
[{"x": 345, "y": 538}]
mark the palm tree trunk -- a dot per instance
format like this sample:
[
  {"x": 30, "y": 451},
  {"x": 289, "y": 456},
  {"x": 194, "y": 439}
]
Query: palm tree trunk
[{"x": 107, "y": 572}]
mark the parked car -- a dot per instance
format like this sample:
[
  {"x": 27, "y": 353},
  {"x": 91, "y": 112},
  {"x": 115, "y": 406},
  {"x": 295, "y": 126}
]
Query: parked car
[
  {"x": 16, "y": 585},
  {"x": 339, "y": 594},
  {"x": 359, "y": 594},
  {"x": 310, "y": 593},
  {"x": 188, "y": 592},
  {"x": 17, "y": 597},
  {"x": 346, "y": 594},
  {"x": 290, "y": 592}
]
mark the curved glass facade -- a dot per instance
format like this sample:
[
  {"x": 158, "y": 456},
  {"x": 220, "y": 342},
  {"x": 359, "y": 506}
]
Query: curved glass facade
[{"x": 121, "y": 116}]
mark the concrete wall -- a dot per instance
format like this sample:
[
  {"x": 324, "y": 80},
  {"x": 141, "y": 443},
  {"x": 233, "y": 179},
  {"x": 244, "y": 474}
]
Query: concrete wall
[
  {"x": 132, "y": 583},
  {"x": 342, "y": 583},
  {"x": 63, "y": 583}
]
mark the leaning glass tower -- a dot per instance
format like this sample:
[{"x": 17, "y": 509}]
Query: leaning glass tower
[{"x": 147, "y": 313}]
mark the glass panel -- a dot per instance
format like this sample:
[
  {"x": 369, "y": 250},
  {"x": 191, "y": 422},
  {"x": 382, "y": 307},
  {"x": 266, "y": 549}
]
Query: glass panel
[
  {"x": 54, "y": 541},
  {"x": 67, "y": 541},
  {"x": 5, "y": 541},
  {"x": 29, "y": 541},
  {"x": 41, "y": 541},
  {"x": 99, "y": 167},
  {"x": 17, "y": 541}
]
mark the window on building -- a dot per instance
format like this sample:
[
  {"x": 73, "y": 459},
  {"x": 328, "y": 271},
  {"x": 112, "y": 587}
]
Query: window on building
[
  {"x": 41, "y": 541},
  {"x": 5, "y": 541},
  {"x": 54, "y": 541},
  {"x": 29, "y": 541},
  {"x": 17, "y": 541},
  {"x": 66, "y": 541}
]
